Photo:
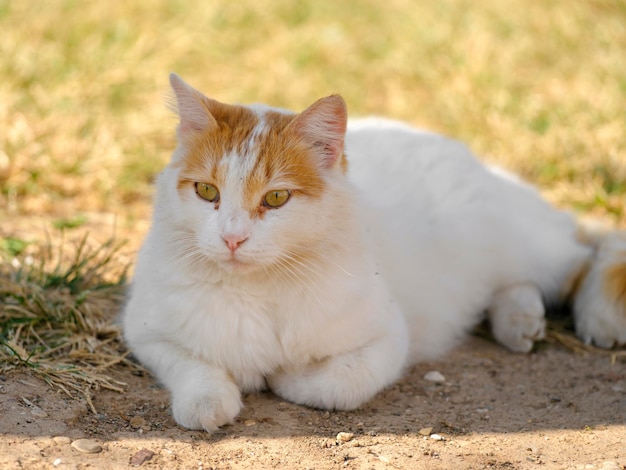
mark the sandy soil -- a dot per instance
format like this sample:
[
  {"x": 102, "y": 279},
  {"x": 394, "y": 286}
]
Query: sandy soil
[{"x": 552, "y": 409}]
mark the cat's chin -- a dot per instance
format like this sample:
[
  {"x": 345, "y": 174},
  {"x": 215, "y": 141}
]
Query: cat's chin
[{"x": 239, "y": 266}]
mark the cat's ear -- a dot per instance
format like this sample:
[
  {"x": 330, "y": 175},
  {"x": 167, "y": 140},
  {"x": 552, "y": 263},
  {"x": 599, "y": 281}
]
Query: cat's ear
[
  {"x": 192, "y": 107},
  {"x": 323, "y": 126}
]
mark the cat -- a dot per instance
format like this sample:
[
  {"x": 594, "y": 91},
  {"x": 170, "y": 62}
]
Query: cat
[{"x": 320, "y": 259}]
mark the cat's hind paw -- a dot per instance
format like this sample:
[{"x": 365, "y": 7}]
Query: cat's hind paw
[
  {"x": 517, "y": 317},
  {"x": 600, "y": 303},
  {"x": 207, "y": 409}
]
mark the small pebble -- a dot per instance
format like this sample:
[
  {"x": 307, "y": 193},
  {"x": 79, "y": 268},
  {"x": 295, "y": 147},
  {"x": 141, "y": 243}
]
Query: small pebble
[
  {"x": 426, "y": 431},
  {"x": 249, "y": 422},
  {"x": 326, "y": 444},
  {"x": 610, "y": 466},
  {"x": 38, "y": 412},
  {"x": 344, "y": 436},
  {"x": 435, "y": 376},
  {"x": 87, "y": 446},
  {"x": 137, "y": 422},
  {"x": 61, "y": 440},
  {"x": 140, "y": 457},
  {"x": 57, "y": 462},
  {"x": 436, "y": 437}
]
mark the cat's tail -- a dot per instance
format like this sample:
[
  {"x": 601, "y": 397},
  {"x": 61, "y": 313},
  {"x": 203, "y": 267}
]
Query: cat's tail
[{"x": 597, "y": 290}]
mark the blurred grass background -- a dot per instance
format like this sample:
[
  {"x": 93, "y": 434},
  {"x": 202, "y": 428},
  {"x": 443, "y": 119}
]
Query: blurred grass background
[{"x": 536, "y": 86}]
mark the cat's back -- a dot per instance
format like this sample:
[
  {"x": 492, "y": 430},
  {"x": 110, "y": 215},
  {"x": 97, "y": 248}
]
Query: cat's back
[
  {"x": 393, "y": 164},
  {"x": 384, "y": 142}
]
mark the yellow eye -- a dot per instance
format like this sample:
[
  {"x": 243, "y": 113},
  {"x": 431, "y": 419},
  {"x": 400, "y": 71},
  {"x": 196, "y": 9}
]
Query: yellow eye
[
  {"x": 276, "y": 198},
  {"x": 207, "y": 191}
]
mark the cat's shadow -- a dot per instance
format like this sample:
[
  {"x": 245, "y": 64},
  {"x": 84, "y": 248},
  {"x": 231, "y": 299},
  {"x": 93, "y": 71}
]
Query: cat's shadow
[{"x": 485, "y": 389}]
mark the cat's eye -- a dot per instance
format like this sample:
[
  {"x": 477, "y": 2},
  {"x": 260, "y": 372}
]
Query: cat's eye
[
  {"x": 276, "y": 198},
  {"x": 208, "y": 192}
]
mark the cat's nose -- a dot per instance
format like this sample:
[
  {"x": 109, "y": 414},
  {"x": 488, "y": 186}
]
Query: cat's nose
[{"x": 233, "y": 241}]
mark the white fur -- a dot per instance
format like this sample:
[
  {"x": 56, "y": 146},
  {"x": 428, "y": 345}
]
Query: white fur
[
  {"x": 449, "y": 233},
  {"x": 517, "y": 316},
  {"x": 411, "y": 250}
]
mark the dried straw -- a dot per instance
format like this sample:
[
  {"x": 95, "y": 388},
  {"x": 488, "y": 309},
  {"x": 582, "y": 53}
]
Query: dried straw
[{"x": 57, "y": 316}]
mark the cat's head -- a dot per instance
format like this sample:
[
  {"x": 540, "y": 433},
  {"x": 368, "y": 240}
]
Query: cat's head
[{"x": 252, "y": 188}]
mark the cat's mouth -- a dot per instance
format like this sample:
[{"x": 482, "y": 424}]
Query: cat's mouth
[
  {"x": 236, "y": 263},
  {"x": 239, "y": 262},
  {"x": 233, "y": 263}
]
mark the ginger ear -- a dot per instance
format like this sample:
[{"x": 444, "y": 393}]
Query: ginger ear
[
  {"x": 192, "y": 107},
  {"x": 323, "y": 126}
]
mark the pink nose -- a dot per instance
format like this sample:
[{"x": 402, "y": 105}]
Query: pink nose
[{"x": 234, "y": 241}]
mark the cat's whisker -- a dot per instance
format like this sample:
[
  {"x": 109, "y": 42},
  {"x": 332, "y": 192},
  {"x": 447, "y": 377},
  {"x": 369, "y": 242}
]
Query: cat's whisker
[
  {"x": 292, "y": 279},
  {"x": 348, "y": 273},
  {"x": 189, "y": 255},
  {"x": 291, "y": 272},
  {"x": 315, "y": 268},
  {"x": 296, "y": 273},
  {"x": 293, "y": 257},
  {"x": 312, "y": 278},
  {"x": 288, "y": 277}
]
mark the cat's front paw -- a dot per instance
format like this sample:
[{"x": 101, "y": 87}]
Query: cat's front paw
[
  {"x": 517, "y": 317},
  {"x": 207, "y": 409},
  {"x": 600, "y": 304},
  {"x": 314, "y": 389},
  {"x": 344, "y": 381}
]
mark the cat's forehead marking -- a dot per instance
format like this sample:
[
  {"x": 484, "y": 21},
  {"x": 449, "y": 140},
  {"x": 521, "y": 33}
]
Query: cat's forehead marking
[
  {"x": 205, "y": 154},
  {"x": 246, "y": 158},
  {"x": 283, "y": 161},
  {"x": 252, "y": 151}
]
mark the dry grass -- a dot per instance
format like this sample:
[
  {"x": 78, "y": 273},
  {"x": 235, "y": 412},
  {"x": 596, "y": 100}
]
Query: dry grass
[
  {"x": 56, "y": 315},
  {"x": 565, "y": 338},
  {"x": 536, "y": 86}
]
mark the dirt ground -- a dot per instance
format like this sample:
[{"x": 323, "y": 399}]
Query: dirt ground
[{"x": 552, "y": 409}]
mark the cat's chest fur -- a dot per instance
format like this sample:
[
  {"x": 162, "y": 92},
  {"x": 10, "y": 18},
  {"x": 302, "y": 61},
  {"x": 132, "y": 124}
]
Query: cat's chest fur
[
  {"x": 253, "y": 329},
  {"x": 231, "y": 328}
]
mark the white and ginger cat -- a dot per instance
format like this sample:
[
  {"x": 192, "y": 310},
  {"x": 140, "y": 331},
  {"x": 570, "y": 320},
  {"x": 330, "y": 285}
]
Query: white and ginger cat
[{"x": 320, "y": 258}]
